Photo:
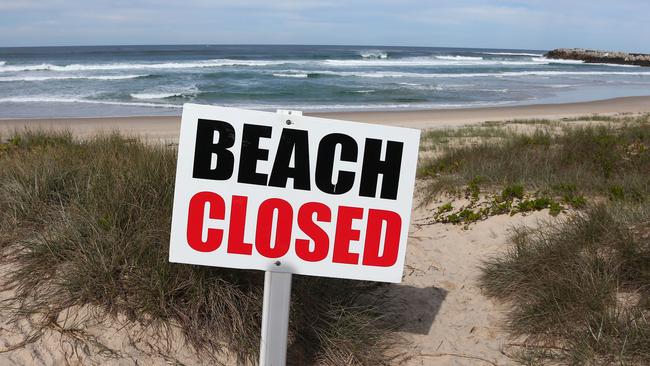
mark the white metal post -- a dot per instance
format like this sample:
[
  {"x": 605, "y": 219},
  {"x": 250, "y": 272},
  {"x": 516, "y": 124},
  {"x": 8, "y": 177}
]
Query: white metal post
[
  {"x": 275, "y": 318},
  {"x": 277, "y": 298}
]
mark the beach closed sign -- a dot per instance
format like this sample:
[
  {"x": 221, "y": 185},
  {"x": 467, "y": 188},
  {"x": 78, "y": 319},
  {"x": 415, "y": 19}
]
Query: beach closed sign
[{"x": 289, "y": 193}]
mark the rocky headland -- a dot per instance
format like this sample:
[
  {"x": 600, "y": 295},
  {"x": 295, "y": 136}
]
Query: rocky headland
[{"x": 594, "y": 56}]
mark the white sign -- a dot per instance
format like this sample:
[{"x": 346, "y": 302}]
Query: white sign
[{"x": 291, "y": 193}]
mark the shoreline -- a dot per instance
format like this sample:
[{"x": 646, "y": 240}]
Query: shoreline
[{"x": 166, "y": 128}]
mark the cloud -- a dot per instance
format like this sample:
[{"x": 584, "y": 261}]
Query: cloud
[{"x": 532, "y": 24}]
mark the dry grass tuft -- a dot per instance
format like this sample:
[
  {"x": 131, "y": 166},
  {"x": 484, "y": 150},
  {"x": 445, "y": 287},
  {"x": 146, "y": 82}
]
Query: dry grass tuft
[
  {"x": 578, "y": 286},
  {"x": 611, "y": 160},
  {"x": 579, "y": 289},
  {"x": 87, "y": 223}
]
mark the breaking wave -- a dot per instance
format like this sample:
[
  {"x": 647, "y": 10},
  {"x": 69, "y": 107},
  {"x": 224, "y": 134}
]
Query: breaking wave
[
  {"x": 47, "y": 99},
  {"x": 134, "y": 66},
  {"x": 513, "y": 54},
  {"x": 313, "y": 107},
  {"x": 373, "y": 54},
  {"x": 433, "y": 61},
  {"x": 71, "y": 77},
  {"x": 576, "y": 62},
  {"x": 291, "y": 75},
  {"x": 356, "y": 77},
  {"x": 155, "y": 95},
  {"x": 459, "y": 58},
  {"x": 557, "y": 61},
  {"x": 380, "y": 60},
  {"x": 163, "y": 94},
  {"x": 388, "y": 74}
]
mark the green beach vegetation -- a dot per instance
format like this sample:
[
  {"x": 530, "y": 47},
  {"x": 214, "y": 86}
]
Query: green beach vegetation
[
  {"x": 578, "y": 285},
  {"x": 86, "y": 222}
]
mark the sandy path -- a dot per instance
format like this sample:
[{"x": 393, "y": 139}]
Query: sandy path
[{"x": 449, "y": 320}]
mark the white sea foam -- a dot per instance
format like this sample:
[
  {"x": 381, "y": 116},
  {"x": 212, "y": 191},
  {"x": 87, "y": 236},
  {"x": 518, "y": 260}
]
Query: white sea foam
[
  {"x": 557, "y": 60},
  {"x": 90, "y": 77},
  {"x": 431, "y": 87},
  {"x": 136, "y": 66},
  {"x": 49, "y": 99},
  {"x": 578, "y": 62},
  {"x": 415, "y": 86},
  {"x": 374, "y": 54},
  {"x": 464, "y": 87},
  {"x": 443, "y": 60},
  {"x": 380, "y": 60},
  {"x": 515, "y": 63},
  {"x": 365, "y": 91},
  {"x": 155, "y": 95},
  {"x": 513, "y": 54},
  {"x": 381, "y": 74},
  {"x": 376, "y": 106},
  {"x": 430, "y": 61},
  {"x": 373, "y": 62},
  {"x": 492, "y": 90},
  {"x": 456, "y": 61},
  {"x": 162, "y": 93},
  {"x": 2, "y": 63},
  {"x": 291, "y": 75},
  {"x": 459, "y": 58},
  {"x": 568, "y": 73},
  {"x": 615, "y": 65}
]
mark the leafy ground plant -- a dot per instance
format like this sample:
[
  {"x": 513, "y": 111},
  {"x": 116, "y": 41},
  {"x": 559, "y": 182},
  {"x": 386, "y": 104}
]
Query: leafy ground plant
[
  {"x": 512, "y": 200},
  {"x": 87, "y": 223}
]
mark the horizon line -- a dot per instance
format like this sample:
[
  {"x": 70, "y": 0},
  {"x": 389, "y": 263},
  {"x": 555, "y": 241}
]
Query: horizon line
[{"x": 267, "y": 44}]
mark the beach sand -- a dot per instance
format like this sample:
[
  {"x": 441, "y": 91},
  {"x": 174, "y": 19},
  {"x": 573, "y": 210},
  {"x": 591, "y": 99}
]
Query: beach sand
[
  {"x": 446, "y": 318},
  {"x": 166, "y": 128}
]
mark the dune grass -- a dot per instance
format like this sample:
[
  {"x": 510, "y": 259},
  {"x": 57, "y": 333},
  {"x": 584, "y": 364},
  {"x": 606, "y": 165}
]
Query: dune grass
[
  {"x": 578, "y": 286},
  {"x": 557, "y": 165},
  {"x": 604, "y": 160},
  {"x": 87, "y": 223},
  {"x": 579, "y": 289}
]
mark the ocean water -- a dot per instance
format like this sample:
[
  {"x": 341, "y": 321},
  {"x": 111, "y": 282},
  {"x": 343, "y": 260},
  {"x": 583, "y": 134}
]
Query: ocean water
[{"x": 157, "y": 80}]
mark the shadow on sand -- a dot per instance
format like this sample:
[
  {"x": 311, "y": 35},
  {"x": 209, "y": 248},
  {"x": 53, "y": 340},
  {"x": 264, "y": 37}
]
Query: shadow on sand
[
  {"x": 411, "y": 309},
  {"x": 414, "y": 308}
]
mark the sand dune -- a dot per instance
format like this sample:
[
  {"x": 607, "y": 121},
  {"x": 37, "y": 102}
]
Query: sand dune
[{"x": 445, "y": 316}]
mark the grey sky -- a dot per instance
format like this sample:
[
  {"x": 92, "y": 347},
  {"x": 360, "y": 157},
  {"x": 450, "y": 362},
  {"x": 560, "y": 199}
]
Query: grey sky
[{"x": 523, "y": 24}]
